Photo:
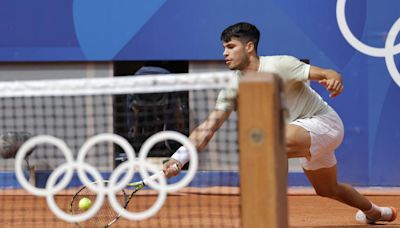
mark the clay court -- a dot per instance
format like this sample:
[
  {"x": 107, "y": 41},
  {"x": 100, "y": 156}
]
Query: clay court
[{"x": 202, "y": 210}]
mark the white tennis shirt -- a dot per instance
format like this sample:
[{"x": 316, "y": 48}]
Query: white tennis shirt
[{"x": 301, "y": 100}]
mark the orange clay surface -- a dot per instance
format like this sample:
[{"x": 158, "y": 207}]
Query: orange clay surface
[{"x": 198, "y": 209}]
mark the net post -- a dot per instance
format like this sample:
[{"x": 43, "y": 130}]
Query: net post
[{"x": 263, "y": 161}]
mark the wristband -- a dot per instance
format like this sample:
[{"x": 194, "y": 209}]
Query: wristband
[{"x": 181, "y": 155}]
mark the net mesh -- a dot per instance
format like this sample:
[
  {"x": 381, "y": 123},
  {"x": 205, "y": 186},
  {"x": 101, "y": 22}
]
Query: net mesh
[
  {"x": 134, "y": 107},
  {"x": 106, "y": 215}
]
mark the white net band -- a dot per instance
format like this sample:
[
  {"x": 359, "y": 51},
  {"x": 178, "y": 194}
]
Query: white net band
[{"x": 117, "y": 85}]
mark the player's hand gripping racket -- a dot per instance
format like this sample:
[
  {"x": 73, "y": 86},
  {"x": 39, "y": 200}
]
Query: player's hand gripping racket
[{"x": 106, "y": 216}]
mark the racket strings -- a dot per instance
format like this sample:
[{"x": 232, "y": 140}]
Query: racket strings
[{"x": 105, "y": 215}]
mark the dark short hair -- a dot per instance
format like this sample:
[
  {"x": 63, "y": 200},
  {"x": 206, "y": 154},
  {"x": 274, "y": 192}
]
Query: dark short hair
[{"x": 243, "y": 31}]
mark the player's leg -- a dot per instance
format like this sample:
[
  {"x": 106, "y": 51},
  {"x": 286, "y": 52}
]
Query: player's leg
[
  {"x": 298, "y": 141},
  {"x": 324, "y": 180},
  {"x": 318, "y": 137},
  {"x": 325, "y": 183}
]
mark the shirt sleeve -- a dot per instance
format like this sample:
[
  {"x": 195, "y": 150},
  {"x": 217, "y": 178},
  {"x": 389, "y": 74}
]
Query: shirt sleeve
[
  {"x": 292, "y": 69},
  {"x": 226, "y": 100}
]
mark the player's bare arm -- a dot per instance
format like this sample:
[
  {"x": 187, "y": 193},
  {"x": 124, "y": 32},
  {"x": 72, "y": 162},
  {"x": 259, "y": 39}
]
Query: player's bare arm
[
  {"x": 331, "y": 79},
  {"x": 200, "y": 138},
  {"x": 205, "y": 131}
]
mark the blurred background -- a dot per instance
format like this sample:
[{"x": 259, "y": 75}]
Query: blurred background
[{"x": 47, "y": 39}]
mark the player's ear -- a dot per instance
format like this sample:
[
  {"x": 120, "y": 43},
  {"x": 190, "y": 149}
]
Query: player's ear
[{"x": 250, "y": 46}]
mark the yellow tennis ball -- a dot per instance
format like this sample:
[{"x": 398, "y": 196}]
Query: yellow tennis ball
[{"x": 85, "y": 204}]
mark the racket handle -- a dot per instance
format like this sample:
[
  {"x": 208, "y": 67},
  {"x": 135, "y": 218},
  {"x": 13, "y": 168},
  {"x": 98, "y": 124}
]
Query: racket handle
[
  {"x": 153, "y": 177},
  {"x": 156, "y": 175}
]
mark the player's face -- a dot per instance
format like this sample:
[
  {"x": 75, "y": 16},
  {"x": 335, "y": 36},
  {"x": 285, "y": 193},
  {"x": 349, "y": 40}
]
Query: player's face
[{"x": 235, "y": 54}]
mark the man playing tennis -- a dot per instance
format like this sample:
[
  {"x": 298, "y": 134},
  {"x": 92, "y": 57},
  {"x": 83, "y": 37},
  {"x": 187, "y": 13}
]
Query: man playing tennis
[{"x": 314, "y": 129}]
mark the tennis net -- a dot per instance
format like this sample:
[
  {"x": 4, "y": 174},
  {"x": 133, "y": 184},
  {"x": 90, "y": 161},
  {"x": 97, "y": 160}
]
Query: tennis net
[{"x": 134, "y": 108}]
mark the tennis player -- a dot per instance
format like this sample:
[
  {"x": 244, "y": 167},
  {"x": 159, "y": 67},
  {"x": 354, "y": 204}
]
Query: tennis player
[{"x": 314, "y": 129}]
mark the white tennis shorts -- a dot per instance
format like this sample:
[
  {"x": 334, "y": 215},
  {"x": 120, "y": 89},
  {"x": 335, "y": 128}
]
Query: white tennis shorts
[{"x": 327, "y": 133}]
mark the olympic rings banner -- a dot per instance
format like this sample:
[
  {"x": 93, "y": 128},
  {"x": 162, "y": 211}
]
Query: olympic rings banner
[
  {"x": 126, "y": 168},
  {"x": 388, "y": 51}
]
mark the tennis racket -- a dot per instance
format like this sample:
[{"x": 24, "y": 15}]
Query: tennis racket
[{"x": 106, "y": 216}]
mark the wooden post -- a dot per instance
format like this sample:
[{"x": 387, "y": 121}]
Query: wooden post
[{"x": 263, "y": 161}]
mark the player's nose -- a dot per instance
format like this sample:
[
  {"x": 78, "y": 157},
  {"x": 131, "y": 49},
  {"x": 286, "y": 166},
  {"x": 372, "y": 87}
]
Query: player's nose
[{"x": 225, "y": 53}]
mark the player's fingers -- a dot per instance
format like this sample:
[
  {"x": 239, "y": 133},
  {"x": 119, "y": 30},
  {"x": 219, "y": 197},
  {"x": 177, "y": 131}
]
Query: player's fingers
[
  {"x": 330, "y": 85},
  {"x": 168, "y": 173},
  {"x": 172, "y": 170},
  {"x": 335, "y": 93},
  {"x": 166, "y": 169},
  {"x": 338, "y": 85},
  {"x": 339, "y": 88},
  {"x": 322, "y": 82},
  {"x": 335, "y": 85},
  {"x": 175, "y": 169}
]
